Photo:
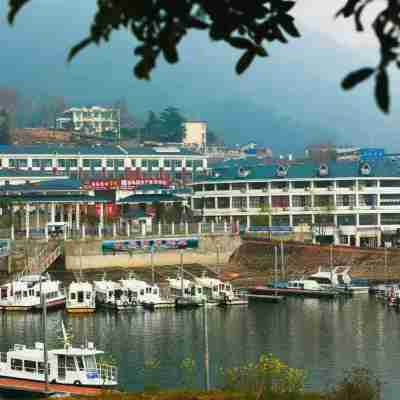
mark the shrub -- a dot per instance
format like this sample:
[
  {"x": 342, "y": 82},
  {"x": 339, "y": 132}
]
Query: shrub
[
  {"x": 268, "y": 378},
  {"x": 358, "y": 384}
]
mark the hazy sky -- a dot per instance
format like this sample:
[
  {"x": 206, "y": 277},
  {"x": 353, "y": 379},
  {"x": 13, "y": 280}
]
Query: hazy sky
[{"x": 320, "y": 15}]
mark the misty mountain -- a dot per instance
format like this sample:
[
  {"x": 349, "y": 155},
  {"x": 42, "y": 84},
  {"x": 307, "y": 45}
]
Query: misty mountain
[{"x": 285, "y": 101}]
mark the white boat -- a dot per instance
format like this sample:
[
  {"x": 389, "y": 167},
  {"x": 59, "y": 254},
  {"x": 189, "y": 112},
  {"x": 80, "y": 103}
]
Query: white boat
[
  {"x": 305, "y": 284},
  {"x": 81, "y": 298},
  {"x": 68, "y": 366},
  {"x": 112, "y": 295},
  {"x": 145, "y": 294},
  {"x": 335, "y": 277},
  {"x": 24, "y": 293},
  {"x": 186, "y": 292},
  {"x": 219, "y": 292}
]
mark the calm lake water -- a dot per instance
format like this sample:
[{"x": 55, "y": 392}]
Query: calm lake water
[{"x": 323, "y": 337}]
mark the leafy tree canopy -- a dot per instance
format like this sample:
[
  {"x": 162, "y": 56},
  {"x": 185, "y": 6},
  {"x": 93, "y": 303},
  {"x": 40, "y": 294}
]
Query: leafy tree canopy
[{"x": 159, "y": 25}]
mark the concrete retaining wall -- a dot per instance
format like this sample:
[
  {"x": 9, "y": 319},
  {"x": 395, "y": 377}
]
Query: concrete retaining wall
[{"x": 212, "y": 249}]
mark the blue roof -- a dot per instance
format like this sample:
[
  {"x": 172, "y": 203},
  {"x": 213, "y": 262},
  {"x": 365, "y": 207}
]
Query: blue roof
[
  {"x": 149, "y": 198},
  {"x": 72, "y": 150},
  {"x": 306, "y": 170},
  {"x": 51, "y": 185}
]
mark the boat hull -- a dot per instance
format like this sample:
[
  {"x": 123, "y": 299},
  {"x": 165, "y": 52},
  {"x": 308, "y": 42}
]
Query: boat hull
[
  {"x": 59, "y": 303},
  {"x": 264, "y": 290},
  {"x": 159, "y": 306}
]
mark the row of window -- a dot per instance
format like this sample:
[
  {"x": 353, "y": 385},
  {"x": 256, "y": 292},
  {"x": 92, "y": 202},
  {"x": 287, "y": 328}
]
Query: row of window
[
  {"x": 299, "y": 201},
  {"x": 28, "y": 366},
  {"x": 97, "y": 163},
  {"x": 343, "y": 184}
]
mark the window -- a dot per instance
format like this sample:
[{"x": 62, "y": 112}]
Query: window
[
  {"x": 390, "y": 200},
  {"x": 167, "y": 163},
  {"x": 280, "y": 201},
  {"x": 301, "y": 184},
  {"x": 198, "y": 164},
  {"x": 119, "y": 163},
  {"x": 133, "y": 163},
  {"x": 88, "y": 295},
  {"x": 90, "y": 362},
  {"x": 368, "y": 219},
  {"x": 238, "y": 186},
  {"x": 324, "y": 201},
  {"x": 86, "y": 163},
  {"x": 197, "y": 188},
  {"x": 41, "y": 368},
  {"x": 345, "y": 200},
  {"x": 258, "y": 201},
  {"x": 302, "y": 220},
  {"x": 16, "y": 364},
  {"x": 154, "y": 163},
  {"x": 346, "y": 220},
  {"x": 67, "y": 163},
  {"x": 79, "y": 361},
  {"x": 209, "y": 202},
  {"x": 3, "y": 357},
  {"x": 30, "y": 366},
  {"x": 301, "y": 201},
  {"x": 322, "y": 184},
  {"x": 390, "y": 219},
  {"x": 280, "y": 220},
  {"x": 42, "y": 163},
  {"x": 197, "y": 204},
  {"x": 390, "y": 183},
  {"x": 18, "y": 163},
  {"x": 189, "y": 163},
  {"x": 239, "y": 202},
  {"x": 258, "y": 185},
  {"x": 72, "y": 296},
  {"x": 176, "y": 163},
  {"x": 223, "y": 202},
  {"x": 223, "y": 186},
  {"x": 145, "y": 163},
  {"x": 110, "y": 163},
  {"x": 345, "y": 184},
  {"x": 71, "y": 363},
  {"x": 280, "y": 185},
  {"x": 324, "y": 219},
  {"x": 209, "y": 188}
]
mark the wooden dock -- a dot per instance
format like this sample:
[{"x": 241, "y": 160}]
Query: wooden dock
[{"x": 21, "y": 385}]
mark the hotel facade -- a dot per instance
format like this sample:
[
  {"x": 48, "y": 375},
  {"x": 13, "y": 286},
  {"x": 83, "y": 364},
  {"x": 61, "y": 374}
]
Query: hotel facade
[{"x": 348, "y": 203}]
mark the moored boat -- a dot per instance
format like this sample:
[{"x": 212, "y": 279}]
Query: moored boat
[
  {"x": 23, "y": 293},
  {"x": 112, "y": 295},
  {"x": 81, "y": 298}
]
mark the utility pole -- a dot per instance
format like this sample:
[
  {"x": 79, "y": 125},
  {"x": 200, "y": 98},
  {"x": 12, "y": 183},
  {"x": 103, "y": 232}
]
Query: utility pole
[
  {"x": 43, "y": 300},
  {"x": 206, "y": 355},
  {"x": 282, "y": 260},
  {"x": 152, "y": 265},
  {"x": 181, "y": 272}
]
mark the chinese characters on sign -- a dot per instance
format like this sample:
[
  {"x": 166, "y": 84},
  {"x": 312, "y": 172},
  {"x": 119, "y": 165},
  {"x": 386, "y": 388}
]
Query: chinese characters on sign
[{"x": 125, "y": 184}]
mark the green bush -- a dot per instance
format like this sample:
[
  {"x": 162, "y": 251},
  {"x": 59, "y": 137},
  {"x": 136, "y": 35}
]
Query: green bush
[
  {"x": 268, "y": 378},
  {"x": 358, "y": 384}
]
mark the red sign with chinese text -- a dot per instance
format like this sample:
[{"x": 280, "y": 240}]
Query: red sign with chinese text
[{"x": 125, "y": 183}]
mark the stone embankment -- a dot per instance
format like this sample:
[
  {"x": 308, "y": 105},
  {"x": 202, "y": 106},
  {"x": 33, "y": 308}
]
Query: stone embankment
[
  {"x": 213, "y": 249},
  {"x": 253, "y": 261}
]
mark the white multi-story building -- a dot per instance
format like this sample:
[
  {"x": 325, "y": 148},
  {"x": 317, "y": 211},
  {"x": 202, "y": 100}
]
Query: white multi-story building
[
  {"x": 101, "y": 160},
  {"x": 91, "y": 120},
  {"x": 195, "y": 134},
  {"x": 349, "y": 203}
]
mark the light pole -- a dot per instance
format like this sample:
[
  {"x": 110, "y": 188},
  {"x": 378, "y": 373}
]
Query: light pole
[
  {"x": 206, "y": 358},
  {"x": 44, "y": 328}
]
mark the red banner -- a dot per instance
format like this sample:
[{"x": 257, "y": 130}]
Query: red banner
[{"x": 125, "y": 184}]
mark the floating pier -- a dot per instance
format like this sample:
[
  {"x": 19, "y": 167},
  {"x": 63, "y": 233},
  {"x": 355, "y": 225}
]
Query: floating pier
[{"x": 22, "y": 385}]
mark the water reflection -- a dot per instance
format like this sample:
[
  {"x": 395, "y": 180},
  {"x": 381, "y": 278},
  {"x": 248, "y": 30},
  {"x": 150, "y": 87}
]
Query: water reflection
[{"x": 324, "y": 337}]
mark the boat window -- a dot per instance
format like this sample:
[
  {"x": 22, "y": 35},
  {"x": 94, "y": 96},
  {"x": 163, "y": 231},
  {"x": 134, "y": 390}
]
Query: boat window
[
  {"x": 215, "y": 288},
  {"x": 25, "y": 293},
  {"x": 30, "y": 366},
  {"x": 73, "y": 296},
  {"x": 142, "y": 292},
  {"x": 88, "y": 295},
  {"x": 16, "y": 364},
  {"x": 110, "y": 294},
  {"x": 80, "y": 363},
  {"x": 37, "y": 294},
  {"x": 187, "y": 291},
  {"x": 3, "y": 357},
  {"x": 148, "y": 290},
  {"x": 18, "y": 294},
  {"x": 71, "y": 363},
  {"x": 301, "y": 285},
  {"x": 135, "y": 294},
  {"x": 31, "y": 292},
  {"x": 41, "y": 368},
  {"x": 320, "y": 279},
  {"x": 155, "y": 291},
  {"x": 199, "y": 290},
  {"x": 193, "y": 291},
  {"x": 118, "y": 294},
  {"x": 90, "y": 362},
  {"x": 3, "y": 293}
]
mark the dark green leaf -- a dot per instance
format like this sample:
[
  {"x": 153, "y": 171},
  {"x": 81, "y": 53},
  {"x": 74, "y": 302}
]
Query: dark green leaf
[
  {"x": 15, "y": 6},
  {"x": 170, "y": 53},
  {"x": 286, "y": 22},
  {"x": 355, "y": 77},
  {"x": 240, "y": 43},
  {"x": 80, "y": 46},
  {"x": 244, "y": 61},
  {"x": 260, "y": 51},
  {"x": 382, "y": 96}
]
